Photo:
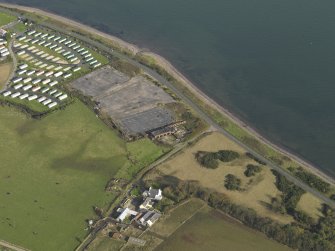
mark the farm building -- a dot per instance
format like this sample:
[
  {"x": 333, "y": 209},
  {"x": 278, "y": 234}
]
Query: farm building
[
  {"x": 149, "y": 218},
  {"x": 125, "y": 213}
]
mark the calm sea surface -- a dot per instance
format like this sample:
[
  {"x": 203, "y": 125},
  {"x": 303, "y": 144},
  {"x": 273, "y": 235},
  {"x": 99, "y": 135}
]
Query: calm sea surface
[{"x": 270, "y": 62}]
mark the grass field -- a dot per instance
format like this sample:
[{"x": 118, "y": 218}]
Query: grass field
[
  {"x": 5, "y": 70},
  {"x": 105, "y": 244},
  {"x": 311, "y": 205},
  {"x": 211, "y": 230},
  {"x": 6, "y": 18},
  {"x": 53, "y": 171},
  {"x": 257, "y": 190}
]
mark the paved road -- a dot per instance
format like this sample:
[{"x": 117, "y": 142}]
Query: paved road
[
  {"x": 11, "y": 246},
  {"x": 9, "y": 25},
  {"x": 200, "y": 112},
  {"x": 12, "y": 54},
  {"x": 195, "y": 106}
]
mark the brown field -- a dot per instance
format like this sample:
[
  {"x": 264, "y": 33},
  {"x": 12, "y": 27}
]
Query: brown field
[
  {"x": 258, "y": 190},
  {"x": 5, "y": 70},
  {"x": 311, "y": 205},
  {"x": 172, "y": 220},
  {"x": 211, "y": 230}
]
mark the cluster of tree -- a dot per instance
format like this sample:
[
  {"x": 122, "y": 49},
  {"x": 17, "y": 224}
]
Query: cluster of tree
[
  {"x": 312, "y": 180},
  {"x": 291, "y": 193},
  {"x": 232, "y": 182},
  {"x": 311, "y": 236},
  {"x": 252, "y": 170},
  {"x": 210, "y": 159},
  {"x": 251, "y": 156},
  {"x": 325, "y": 227}
]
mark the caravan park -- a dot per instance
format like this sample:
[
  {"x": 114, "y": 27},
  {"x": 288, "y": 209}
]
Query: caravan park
[{"x": 103, "y": 148}]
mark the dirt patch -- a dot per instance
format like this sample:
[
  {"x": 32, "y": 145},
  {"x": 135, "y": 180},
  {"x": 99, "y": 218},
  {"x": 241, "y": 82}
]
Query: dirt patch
[
  {"x": 5, "y": 70},
  {"x": 133, "y": 103}
]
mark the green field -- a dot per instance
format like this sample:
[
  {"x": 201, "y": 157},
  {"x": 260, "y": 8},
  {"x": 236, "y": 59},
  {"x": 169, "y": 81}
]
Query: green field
[
  {"x": 54, "y": 170},
  {"x": 5, "y": 18},
  {"x": 211, "y": 230}
]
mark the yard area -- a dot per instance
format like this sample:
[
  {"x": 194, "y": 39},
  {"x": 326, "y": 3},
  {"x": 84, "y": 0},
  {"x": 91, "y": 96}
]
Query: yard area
[
  {"x": 211, "y": 230},
  {"x": 6, "y": 18},
  {"x": 54, "y": 170}
]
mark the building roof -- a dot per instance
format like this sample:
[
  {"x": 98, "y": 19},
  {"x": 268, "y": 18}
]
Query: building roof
[
  {"x": 153, "y": 218},
  {"x": 161, "y": 131},
  {"x": 150, "y": 218},
  {"x": 155, "y": 194},
  {"x": 148, "y": 203},
  {"x": 126, "y": 213}
]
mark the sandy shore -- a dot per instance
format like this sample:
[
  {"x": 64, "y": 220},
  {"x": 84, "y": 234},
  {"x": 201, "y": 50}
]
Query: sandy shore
[{"x": 180, "y": 77}]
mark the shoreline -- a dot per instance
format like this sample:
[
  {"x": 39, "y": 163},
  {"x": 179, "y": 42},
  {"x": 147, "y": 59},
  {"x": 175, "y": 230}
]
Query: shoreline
[{"x": 161, "y": 61}]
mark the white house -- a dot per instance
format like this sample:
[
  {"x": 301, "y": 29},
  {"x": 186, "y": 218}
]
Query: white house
[{"x": 155, "y": 194}]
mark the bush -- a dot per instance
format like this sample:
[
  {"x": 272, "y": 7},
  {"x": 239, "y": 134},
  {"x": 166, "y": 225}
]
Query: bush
[
  {"x": 291, "y": 193},
  {"x": 232, "y": 182},
  {"x": 252, "y": 170},
  {"x": 313, "y": 181},
  {"x": 227, "y": 155},
  {"x": 136, "y": 192},
  {"x": 210, "y": 159}
]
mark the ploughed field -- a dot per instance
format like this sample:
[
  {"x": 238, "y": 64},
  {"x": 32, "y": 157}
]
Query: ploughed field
[{"x": 54, "y": 170}]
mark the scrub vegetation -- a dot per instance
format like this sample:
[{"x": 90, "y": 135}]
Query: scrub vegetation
[{"x": 6, "y": 18}]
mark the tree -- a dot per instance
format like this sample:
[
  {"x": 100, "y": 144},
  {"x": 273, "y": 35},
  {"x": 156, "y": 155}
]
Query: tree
[
  {"x": 252, "y": 170},
  {"x": 232, "y": 182},
  {"x": 227, "y": 155}
]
